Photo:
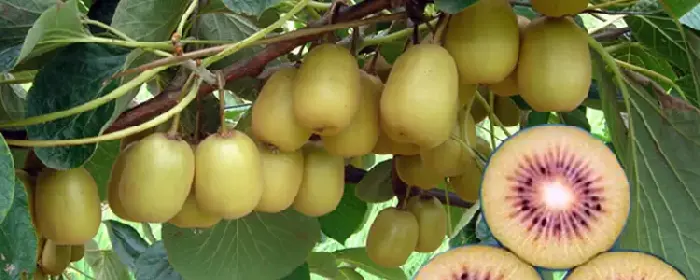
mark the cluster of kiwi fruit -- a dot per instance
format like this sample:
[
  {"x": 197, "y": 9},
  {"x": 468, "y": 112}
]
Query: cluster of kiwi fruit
[{"x": 64, "y": 207}]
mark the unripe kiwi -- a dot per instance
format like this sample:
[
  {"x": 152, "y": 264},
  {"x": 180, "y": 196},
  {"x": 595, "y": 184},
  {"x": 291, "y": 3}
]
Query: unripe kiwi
[
  {"x": 273, "y": 120},
  {"x": 326, "y": 93},
  {"x": 156, "y": 179},
  {"x": 67, "y": 205},
  {"x": 361, "y": 135},
  {"x": 509, "y": 85},
  {"x": 507, "y": 111},
  {"x": 29, "y": 187},
  {"x": 423, "y": 68},
  {"x": 77, "y": 252},
  {"x": 554, "y": 71},
  {"x": 483, "y": 39},
  {"x": 558, "y": 8},
  {"x": 192, "y": 216},
  {"x": 229, "y": 180},
  {"x": 467, "y": 184},
  {"x": 448, "y": 158},
  {"x": 392, "y": 237},
  {"x": 432, "y": 222},
  {"x": 414, "y": 172},
  {"x": 323, "y": 183},
  {"x": 54, "y": 258},
  {"x": 282, "y": 177}
]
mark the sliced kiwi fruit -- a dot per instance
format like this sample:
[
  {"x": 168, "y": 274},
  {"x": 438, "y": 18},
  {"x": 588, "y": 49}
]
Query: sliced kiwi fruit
[
  {"x": 67, "y": 205},
  {"x": 392, "y": 237},
  {"x": 282, "y": 176},
  {"x": 467, "y": 184},
  {"x": 448, "y": 158},
  {"x": 558, "y": 8},
  {"x": 387, "y": 146},
  {"x": 192, "y": 216},
  {"x": 77, "y": 252},
  {"x": 414, "y": 172},
  {"x": 323, "y": 183},
  {"x": 360, "y": 137},
  {"x": 555, "y": 195},
  {"x": 507, "y": 111},
  {"x": 432, "y": 222},
  {"x": 625, "y": 265},
  {"x": 509, "y": 85},
  {"x": 554, "y": 70},
  {"x": 273, "y": 118},
  {"x": 422, "y": 68},
  {"x": 477, "y": 262},
  {"x": 229, "y": 168},
  {"x": 54, "y": 258},
  {"x": 326, "y": 92},
  {"x": 156, "y": 178}
]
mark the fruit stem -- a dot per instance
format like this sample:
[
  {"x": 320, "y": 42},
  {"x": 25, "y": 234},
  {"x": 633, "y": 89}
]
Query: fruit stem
[
  {"x": 441, "y": 28},
  {"x": 222, "y": 105},
  {"x": 175, "y": 125},
  {"x": 190, "y": 10},
  {"x": 491, "y": 129}
]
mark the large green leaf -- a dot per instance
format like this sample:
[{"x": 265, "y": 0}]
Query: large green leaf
[
  {"x": 100, "y": 164},
  {"x": 106, "y": 265},
  {"x": 358, "y": 257},
  {"x": 7, "y": 178},
  {"x": 18, "y": 241},
  {"x": 300, "y": 273},
  {"x": 347, "y": 218},
  {"x": 249, "y": 7},
  {"x": 659, "y": 33},
  {"x": 74, "y": 77},
  {"x": 258, "y": 246},
  {"x": 641, "y": 56},
  {"x": 665, "y": 193},
  {"x": 376, "y": 184},
  {"x": 453, "y": 6},
  {"x": 227, "y": 27},
  {"x": 153, "y": 264},
  {"x": 15, "y": 20},
  {"x": 13, "y": 101},
  {"x": 678, "y": 8},
  {"x": 126, "y": 242},
  {"x": 148, "y": 20},
  {"x": 322, "y": 263},
  {"x": 59, "y": 23}
]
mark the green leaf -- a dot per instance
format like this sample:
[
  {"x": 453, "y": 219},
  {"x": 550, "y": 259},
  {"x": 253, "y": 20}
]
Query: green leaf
[
  {"x": 678, "y": 8},
  {"x": 692, "y": 18},
  {"x": 663, "y": 220},
  {"x": 300, "y": 273},
  {"x": 577, "y": 118},
  {"x": 105, "y": 265},
  {"x": 18, "y": 241},
  {"x": 59, "y": 23},
  {"x": 660, "y": 34},
  {"x": 375, "y": 187},
  {"x": 153, "y": 264},
  {"x": 148, "y": 20},
  {"x": 100, "y": 164},
  {"x": 347, "y": 218},
  {"x": 537, "y": 118},
  {"x": 453, "y": 6},
  {"x": 16, "y": 19},
  {"x": 258, "y": 246},
  {"x": 641, "y": 56},
  {"x": 102, "y": 11},
  {"x": 467, "y": 235},
  {"x": 249, "y": 7},
  {"x": 227, "y": 27},
  {"x": 126, "y": 242},
  {"x": 358, "y": 257},
  {"x": 13, "y": 101},
  {"x": 7, "y": 179},
  {"x": 63, "y": 84},
  {"x": 322, "y": 263}
]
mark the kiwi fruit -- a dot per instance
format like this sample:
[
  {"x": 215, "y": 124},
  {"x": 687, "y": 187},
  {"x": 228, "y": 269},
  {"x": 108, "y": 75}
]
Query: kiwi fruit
[
  {"x": 509, "y": 85},
  {"x": 156, "y": 178},
  {"x": 477, "y": 110},
  {"x": 273, "y": 120},
  {"x": 477, "y": 262},
  {"x": 229, "y": 168},
  {"x": 554, "y": 71},
  {"x": 113, "y": 200},
  {"x": 282, "y": 176},
  {"x": 432, "y": 222},
  {"x": 323, "y": 183},
  {"x": 625, "y": 265},
  {"x": 555, "y": 195},
  {"x": 507, "y": 111},
  {"x": 423, "y": 68},
  {"x": 483, "y": 39},
  {"x": 448, "y": 158},
  {"x": 558, "y": 8},
  {"x": 483, "y": 147},
  {"x": 67, "y": 205},
  {"x": 29, "y": 187},
  {"x": 414, "y": 172},
  {"x": 392, "y": 237},
  {"x": 387, "y": 146},
  {"x": 192, "y": 216},
  {"x": 327, "y": 91},
  {"x": 128, "y": 140},
  {"x": 466, "y": 94},
  {"x": 467, "y": 184},
  {"x": 54, "y": 258},
  {"x": 77, "y": 252},
  {"x": 361, "y": 135}
]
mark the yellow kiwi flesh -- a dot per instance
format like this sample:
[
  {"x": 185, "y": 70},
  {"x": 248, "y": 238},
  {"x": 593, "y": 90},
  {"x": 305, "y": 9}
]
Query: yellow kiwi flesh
[
  {"x": 229, "y": 179},
  {"x": 473, "y": 261},
  {"x": 361, "y": 135},
  {"x": 483, "y": 39},
  {"x": 554, "y": 71},
  {"x": 432, "y": 222},
  {"x": 282, "y": 176},
  {"x": 323, "y": 183},
  {"x": 625, "y": 265},
  {"x": 509, "y": 85},
  {"x": 558, "y": 8},
  {"x": 392, "y": 237},
  {"x": 326, "y": 93},
  {"x": 156, "y": 179},
  {"x": 273, "y": 120},
  {"x": 54, "y": 258},
  {"x": 192, "y": 216},
  {"x": 414, "y": 172},
  {"x": 423, "y": 79},
  {"x": 67, "y": 205}
]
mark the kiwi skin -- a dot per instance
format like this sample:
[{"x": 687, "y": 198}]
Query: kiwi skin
[
  {"x": 323, "y": 183},
  {"x": 507, "y": 111},
  {"x": 414, "y": 172},
  {"x": 191, "y": 216},
  {"x": 467, "y": 185},
  {"x": 509, "y": 85},
  {"x": 113, "y": 200},
  {"x": 432, "y": 222},
  {"x": 283, "y": 174},
  {"x": 77, "y": 252},
  {"x": 67, "y": 205},
  {"x": 386, "y": 146},
  {"x": 448, "y": 158},
  {"x": 392, "y": 237},
  {"x": 55, "y": 258},
  {"x": 558, "y": 8}
]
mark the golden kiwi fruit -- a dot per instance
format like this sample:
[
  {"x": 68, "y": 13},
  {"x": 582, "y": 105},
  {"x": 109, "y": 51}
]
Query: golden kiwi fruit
[
  {"x": 509, "y": 85},
  {"x": 326, "y": 92},
  {"x": 558, "y": 8},
  {"x": 156, "y": 178},
  {"x": 386, "y": 145},
  {"x": 483, "y": 39},
  {"x": 113, "y": 200},
  {"x": 448, "y": 158},
  {"x": 323, "y": 183},
  {"x": 361, "y": 135},
  {"x": 54, "y": 258},
  {"x": 192, "y": 216},
  {"x": 273, "y": 120},
  {"x": 467, "y": 184},
  {"x": 422, "y": 69},
  {"x": 466, "y": 94},
  {"x": 392, "y": 237},
  {"x": 414, "y": 172},
  {"x": 229, "y": 179},
  {"x": 282, "y": 177},
  {"x": 432, "y": 222},
  {"x": 67, "y": 205}
]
